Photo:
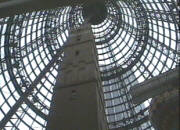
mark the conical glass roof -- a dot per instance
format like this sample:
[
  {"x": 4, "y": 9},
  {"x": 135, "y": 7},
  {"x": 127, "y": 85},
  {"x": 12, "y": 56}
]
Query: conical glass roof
[{"x": 137, "y": 41}]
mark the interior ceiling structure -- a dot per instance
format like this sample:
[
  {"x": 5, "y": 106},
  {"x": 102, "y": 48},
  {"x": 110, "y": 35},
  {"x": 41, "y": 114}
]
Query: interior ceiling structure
[{"x": 137, "y": 40}]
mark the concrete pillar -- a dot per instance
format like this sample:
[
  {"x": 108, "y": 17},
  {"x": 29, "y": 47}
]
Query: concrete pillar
[
  {"x": 77, "y": 102},
  {"x": 164, "y": 91},
  {"x": 164, "y": 111},
  {"x": 155, "y": 86}
]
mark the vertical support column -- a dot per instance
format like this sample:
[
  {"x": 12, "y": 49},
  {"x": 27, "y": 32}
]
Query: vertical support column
[{"x": 77, "y": 100}]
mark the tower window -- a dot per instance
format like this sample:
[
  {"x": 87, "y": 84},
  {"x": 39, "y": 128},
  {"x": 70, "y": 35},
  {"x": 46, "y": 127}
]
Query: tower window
[{"x": 76, "y": 53}]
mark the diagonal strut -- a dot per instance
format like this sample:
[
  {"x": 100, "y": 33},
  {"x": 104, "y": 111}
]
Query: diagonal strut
[{"x": 23, "y": 98}]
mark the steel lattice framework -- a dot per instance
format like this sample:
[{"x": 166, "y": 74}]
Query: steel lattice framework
[{"x": 137, "y": 41}]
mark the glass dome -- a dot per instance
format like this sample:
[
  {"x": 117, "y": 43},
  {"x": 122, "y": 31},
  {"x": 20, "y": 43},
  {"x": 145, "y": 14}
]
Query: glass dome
[{"x": 137, "y": 41}]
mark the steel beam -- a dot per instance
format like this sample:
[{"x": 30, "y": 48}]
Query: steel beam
[
  {"x": 24, "y": 97},
  {"x": 155, "y": 86},
  {"x": 12, "y": 7},
  {"x": 133, "y": 125}
]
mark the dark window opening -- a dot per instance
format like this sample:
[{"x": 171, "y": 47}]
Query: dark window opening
[{"x": 76, "y": 53}]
